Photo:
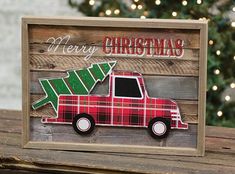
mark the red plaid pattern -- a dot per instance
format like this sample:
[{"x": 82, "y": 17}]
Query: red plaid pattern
[{"x": 118, "y": 111}]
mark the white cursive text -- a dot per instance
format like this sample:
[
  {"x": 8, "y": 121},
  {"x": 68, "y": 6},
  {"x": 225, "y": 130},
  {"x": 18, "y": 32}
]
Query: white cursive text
[{"x": 68, "y": 49}]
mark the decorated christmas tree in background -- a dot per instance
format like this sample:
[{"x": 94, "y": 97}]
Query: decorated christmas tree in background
[{"x": 221, "y": 41}]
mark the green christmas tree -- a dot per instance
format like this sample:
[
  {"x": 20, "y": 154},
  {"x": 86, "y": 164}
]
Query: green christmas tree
[
  {"x": 79, "y": 82},
  {"x": 221, "y": 46}
]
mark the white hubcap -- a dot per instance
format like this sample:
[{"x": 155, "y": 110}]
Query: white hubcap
[
  {"x": 159, "y": 128},
  {"x": 83, "y": 124}
]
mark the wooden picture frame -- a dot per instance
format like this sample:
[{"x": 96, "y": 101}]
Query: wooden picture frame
[{"x": 188, "y": 72}]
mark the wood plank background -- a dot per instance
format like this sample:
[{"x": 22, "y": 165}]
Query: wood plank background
[
  {"x": 145, "y": 66},
  {"x": 175, "y": 78}
]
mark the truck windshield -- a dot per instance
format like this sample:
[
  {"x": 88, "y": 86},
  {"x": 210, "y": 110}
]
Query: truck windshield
[{"x": 127, "y": 87}]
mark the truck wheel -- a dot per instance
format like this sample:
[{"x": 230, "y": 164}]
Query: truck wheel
[
  {"x": 159, "y": 127},
  {"x": 83, "y": 124}
]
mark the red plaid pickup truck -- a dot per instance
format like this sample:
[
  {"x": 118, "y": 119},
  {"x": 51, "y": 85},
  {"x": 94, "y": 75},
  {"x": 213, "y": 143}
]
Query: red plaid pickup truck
[{"x": 127, "y": 105}]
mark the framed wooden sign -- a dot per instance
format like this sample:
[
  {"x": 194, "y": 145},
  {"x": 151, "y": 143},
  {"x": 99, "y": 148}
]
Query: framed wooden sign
[{"x": 114, "y": 85}]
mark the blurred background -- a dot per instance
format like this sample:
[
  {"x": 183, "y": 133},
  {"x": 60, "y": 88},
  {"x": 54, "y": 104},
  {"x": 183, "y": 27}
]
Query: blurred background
[
  {"x": 11, "y": 12},
  {"x": 220, "y": 15}
]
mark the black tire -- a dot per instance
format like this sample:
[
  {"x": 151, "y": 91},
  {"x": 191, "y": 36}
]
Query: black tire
[
  {"x": 86, "y": 120},
  {"x": 163, "y": 131}
]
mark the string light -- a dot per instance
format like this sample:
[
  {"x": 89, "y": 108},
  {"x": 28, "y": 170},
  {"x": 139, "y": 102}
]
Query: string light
[
  {"x": 217, "y": 71},
  {"x": 184, "y": 3},
  {"x": 133, "y": 6},
  {"x": 233, "y": 57},
  {"x": 142, "y": 17},
  {"x": 233, "y": 24},
  {"x": 219, "y": 113},
  {"x": 211, "y": 42},
  {"x": 199, "y": 1},
  {"x": 108, "y": 12},
  {"x": 136, "y": 0},
  {"x": 227, "y": 97},
  {"x": 174, "y": 13},
  {"x": 139, "y": 7},
  {"x": 203, "y": 18},
  {"x": 214, "y": 88},
  {"x": 92, "y": 2},
  {"x": 218, "y": 52},
  {"x": 157, "y": 2},
  {"x": 233, "y": 9},
  {"x": 232, "y": 85},
  {"x": 116, "y": 12}
]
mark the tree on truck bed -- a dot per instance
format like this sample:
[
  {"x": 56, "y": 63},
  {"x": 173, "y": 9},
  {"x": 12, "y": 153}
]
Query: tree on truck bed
[{"x": 80, "y": 82}]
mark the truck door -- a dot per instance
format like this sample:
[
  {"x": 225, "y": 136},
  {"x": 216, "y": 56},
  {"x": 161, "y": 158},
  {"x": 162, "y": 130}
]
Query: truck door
[{"x": 128, "y": 102}]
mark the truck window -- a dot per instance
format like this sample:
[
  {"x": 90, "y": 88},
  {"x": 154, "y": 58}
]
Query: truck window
[{"x": 127, "y": 87}]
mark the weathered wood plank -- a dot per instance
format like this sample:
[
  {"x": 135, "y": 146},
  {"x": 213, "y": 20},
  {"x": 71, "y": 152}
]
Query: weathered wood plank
[
  {"x": 6, "y": 125},
  {"x": 10, "y": 114},
  {"x": 95, "y": 35},
  {"x": 210, "y": 158},
  {"x": 188, "y": 106},
  {"x": 128, "y": 165},
  {"x": 227, "y": 145},
  {"x": 46, "y": 110},
  {"x": 42, "y": 49},
  {"x": 220, "y": 132},
  {"x": 12, "y": 139},
  {"x": 156, "y": 86},
  {"x": 144, "y": 66},
  {"x": 184, "y": 88},
  {"x": 12, "y": 169},
  {"x": 19, "y": 169},
  {"x": 188, "y": 109}
]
